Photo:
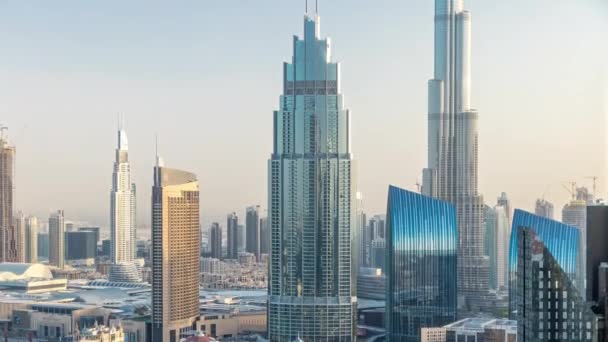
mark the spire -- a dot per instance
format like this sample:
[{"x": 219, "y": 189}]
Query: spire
[
  {"x": 123, "y": 142},
  {"x": 159, "y": 160}
]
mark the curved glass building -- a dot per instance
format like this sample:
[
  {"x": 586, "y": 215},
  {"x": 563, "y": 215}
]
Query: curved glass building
[
  {"x": 421, "y": 243},
  {"x": 561, "y": 240},
  {"x": 311, "y": 196}
]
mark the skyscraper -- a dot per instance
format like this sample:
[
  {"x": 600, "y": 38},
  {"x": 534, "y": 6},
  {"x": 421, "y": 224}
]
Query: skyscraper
[
  {"x": 264, "y": 236},
  {"x": 7, "y": 170},
  {"x": 497, "y": 245},
  {"x": 31, "y": 239},
  {"x": 122, "y": 205},
  {"x": 574, "y": 213},
  {"x": 544, "y": 208},
  {"x": 252, "y": 228},
  {"x": 421, "y": 264},
  {"x": 311, "y": 195},
  {"x": 561, "y": 240},
  {"x": 232, "y": 236},
  {"x": 17, "y": 239},
  {"x": 175, "y": 253},
  {"x": 361, "y": 232},
  {"x": 215, "y": 240},
  {"x": 452, "y": 169},
  {"x": 57, "y": 239},
  {"x": 80, "y": 245},
  {"x": 596, "y": 252}
]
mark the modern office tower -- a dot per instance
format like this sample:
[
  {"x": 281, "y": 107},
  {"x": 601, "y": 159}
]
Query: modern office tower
[
  {"x": 16, "y": 248},
  {"x": 596, "y": 252},
  {"x": 241, "y": 239},
  {"x": 264, "y": 236},
  {"x": 544, "y": 208},
  {"x": 574, "y": 213},
  {"x": 452, "y": 172},
  {"x": 122, "y": 205},
  {"x": 57, "y": 239},
  {"x": 215, "y": 240},
  {"x": 252, "y": 228},
  {"x": 125, "y": 272},
  {"x": 422, "y": 242},
  {"x": 378, "y": 253},
  {"x": 43, "y": 245},
  {"x": 80, "y": 245},
  {"x": 176, "y": 245},
  {"x": 232, "y": 236},
  {"x": 503, "y": 201},
  {"x": 549, "y": 305},
  {"x": 7, "y": 173},
  {"x": 91, "y": 229},
  {"x": 361, "y": 232},
  {"x": 560, "y": 239},
  {"x": 106, "y": 248},
  {"x": 497, "y": 245},
  {"x": 311, "y": 194},
  {"x": 377, "y": 227},
  {"x": 31, "y": 239}
]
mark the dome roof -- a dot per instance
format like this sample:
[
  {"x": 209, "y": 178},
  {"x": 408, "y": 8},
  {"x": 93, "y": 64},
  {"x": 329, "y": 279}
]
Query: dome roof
[{"x": 18, "y": 271}]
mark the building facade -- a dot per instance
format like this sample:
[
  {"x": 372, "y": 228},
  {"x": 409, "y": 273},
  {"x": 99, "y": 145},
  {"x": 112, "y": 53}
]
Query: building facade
[
  {"x": 596, "y": 252},
  {"x": 264, "y": 236},
  {"x": 311, "y": 193},
  {"x": 561, "y": 241},
  {"x": 31, "y": 239},
  {"x": 122, "y": 205},
  {"x": 549, "y": 305},
  {"x": 452, "y": 171},
  {"x": 544, "y": 208},
  {"x": 215, "y": 240},
  {"x": 57, "y": 239},
  {"x": 7, "y": 187},
  {"x": 252, "y": 229},
  {"x": 422, "y": 242},
  {"x": 497, "y": 245},
  {"x": 232, "y": 236},
  {"x": 80, "y": 245},
  {"x": 175, "y": 253},
  {"x": 17, "y": 238}
]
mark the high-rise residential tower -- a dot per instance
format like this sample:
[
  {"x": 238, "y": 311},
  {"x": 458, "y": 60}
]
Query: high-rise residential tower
[
  {"x": 311, "y": 195},
  {"x": 7, "y": 173},
  {"x": 544, "y": 208},
  {"x": 31, "y": 239},
  {"x": 252, "y": 229},
  {"x": 175, "y": 253},
  {"x": 452, "y": 169},
  {"x": 232, "y": 236},
  {"x": 215, "y": 240},
  {"x": 497, "y": 245},
  {"x": 17, "y": 239},
  {"x": 57, "y": 239},
  {"x": 264, "y": 236},
  {"x": 122, "y": 205}
]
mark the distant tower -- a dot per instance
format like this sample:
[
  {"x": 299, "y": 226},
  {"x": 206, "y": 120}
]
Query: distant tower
[
  {"x": 264, "y": 236},
  {"x": 17, "y": 245},
  {"x": 544, "y": 208},
  {"x": 31, "y": 239},
  {"x": 252, "y": 229},
  {"x": 452, "y": 171},
  {"x": 311, "y": 200},
  {"x": 215, "y": 240},
  {"x": 574, "y": 213},
  {"x": 7, "y": 173},
  {"x": 57, "y": 239},
  {"x": 232, "y": 226},
  {"x": 122, "y": 205},
  {"x": 175, "y": 253}
]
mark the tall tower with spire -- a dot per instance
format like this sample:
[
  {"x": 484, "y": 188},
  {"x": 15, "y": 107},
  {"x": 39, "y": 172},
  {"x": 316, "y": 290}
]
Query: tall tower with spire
[
  {"x": 311, "y": 196},
  {"x": 122, "y": 204},
  {"x": 7, "y": 186},
  {"x": 452, "y": 169}
]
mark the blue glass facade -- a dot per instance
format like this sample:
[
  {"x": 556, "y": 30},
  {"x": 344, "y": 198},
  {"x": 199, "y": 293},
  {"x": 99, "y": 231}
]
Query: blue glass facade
[
  {"x": 421, "y": 244},
  {"x": 561, "y": 240}
]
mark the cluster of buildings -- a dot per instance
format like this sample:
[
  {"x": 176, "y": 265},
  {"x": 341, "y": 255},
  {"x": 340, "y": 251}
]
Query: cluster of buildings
[{"x": 439, "y": 265}]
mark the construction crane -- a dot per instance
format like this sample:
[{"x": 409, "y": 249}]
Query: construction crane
[
  {"x": 418, "y": 186},
  {"x": 571, "y": 189},
  {"x": 594, "y": 179}
]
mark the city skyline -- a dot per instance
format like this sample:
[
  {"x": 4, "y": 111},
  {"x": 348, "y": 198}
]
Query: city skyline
[{"x": 222, "y": 182}]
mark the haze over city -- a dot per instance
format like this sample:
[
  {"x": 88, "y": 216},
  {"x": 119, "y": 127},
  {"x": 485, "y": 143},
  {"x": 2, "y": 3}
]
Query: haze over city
[{"x": 206, "y": 78}]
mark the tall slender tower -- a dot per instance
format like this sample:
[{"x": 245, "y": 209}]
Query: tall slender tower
[
  {"x": 215, "y": 240},
  {"x": 175, "y": 253},
  {"x": 7, "y": 173},
  {"x": 57, "y": 239},
  {"x": 17, "y": 239},
  {"x": 31, "y": 239},
  {"x": 252, "y": 229},
  {"x": 232, "y": 236},
  {"x": 451, "y": 174},
  {"x": 122, "y": 205},
  {"x": 311, "y": 196}
]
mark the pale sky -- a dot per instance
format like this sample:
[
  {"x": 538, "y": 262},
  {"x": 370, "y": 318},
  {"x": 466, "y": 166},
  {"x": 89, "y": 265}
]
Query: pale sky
[{"x": 206, "y": 76}]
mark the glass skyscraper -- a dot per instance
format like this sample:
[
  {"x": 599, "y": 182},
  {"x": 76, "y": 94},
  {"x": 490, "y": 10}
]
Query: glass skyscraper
[
  {"x": 422, "y": 242},
  {"x": 311, "y": 196},
  {"x": 561, "y": 240}
]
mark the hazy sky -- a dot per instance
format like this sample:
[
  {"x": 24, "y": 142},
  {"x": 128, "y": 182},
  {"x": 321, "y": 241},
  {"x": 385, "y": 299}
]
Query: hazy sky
[{"x": 206, "y": 75}]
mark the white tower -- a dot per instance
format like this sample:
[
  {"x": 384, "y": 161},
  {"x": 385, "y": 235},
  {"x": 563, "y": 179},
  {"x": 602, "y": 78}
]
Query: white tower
[{"x": 122, "y": 205}]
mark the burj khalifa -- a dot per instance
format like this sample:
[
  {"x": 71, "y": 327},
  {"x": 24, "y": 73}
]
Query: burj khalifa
[{"x": 452, "y": 172}]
